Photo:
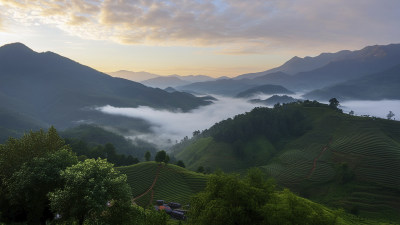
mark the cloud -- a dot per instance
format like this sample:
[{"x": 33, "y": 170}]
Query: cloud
[
  {"x": 238, "y": 27},
  {"x": 176, "y": 125}
]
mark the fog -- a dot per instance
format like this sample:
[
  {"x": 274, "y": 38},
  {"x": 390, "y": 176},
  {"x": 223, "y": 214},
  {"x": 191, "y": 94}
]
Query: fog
[
  {"x": 174, "y": 126},
  {"x": 171, "y": 126},
  {"x": 372, "y": 108}
]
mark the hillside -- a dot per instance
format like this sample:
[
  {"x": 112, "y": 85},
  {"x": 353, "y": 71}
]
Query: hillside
[
  {"x": 151, "y": 181},
  {"x": 133, "y": 76},
  {"x": 268, "y": 89},
  {"x": 56, "y": 90},
  {"x": 385, "y": 85},
  {"x": 297, "y": 64},
  {"x": 326, "y": 156},
  {"x": 95, "y": 135}
]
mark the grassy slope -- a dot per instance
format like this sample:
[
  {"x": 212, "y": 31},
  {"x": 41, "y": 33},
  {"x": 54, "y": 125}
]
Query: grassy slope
[
  {"x": 369, "y": 148},
  {"x": 174, "y": 184}
]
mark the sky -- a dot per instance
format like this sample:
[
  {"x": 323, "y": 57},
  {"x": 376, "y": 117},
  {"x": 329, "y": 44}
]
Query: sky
[{"x": 210, "y": 37}]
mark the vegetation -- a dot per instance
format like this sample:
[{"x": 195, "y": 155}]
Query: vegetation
[
  {"x": 94, "y": 136},
  {"x": 228, "y": 199},
  {"x": 161, "y": 156},
  {"x": 336, "y": 159},
  {"x": 107, "y": 151},
  {"x": 29, "y": 169},
  {"x": 41, "y": 178},
  {"x": 173, "y": 183},
  {"x": 92, "y": 190}
]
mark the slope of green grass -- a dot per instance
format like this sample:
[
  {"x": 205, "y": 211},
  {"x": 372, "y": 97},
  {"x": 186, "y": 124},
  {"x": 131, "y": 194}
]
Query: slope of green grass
[
  {"x": 173, "y": 183},
  {"x": 341, "y": 161}
]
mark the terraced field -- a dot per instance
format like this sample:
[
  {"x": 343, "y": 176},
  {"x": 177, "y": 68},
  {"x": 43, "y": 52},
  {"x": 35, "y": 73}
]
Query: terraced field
[
  {"x": 151, "y": 181},
  {"x": 342, "y": 161},
  {"x": 370, "y": 150}
]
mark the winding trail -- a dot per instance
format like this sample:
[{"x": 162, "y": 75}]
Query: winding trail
[
  {"x": 316, "y": 159},
  {"x": 151, "y": 187}
]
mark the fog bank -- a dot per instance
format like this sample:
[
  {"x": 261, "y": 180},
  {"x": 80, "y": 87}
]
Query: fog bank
[
  {"x": 174, "y": 126},
  {"x": 372, "y": 108}
]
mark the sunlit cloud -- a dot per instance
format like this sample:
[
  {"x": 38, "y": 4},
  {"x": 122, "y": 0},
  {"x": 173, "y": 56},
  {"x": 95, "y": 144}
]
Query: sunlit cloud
[{"x": 236, "y": 26}]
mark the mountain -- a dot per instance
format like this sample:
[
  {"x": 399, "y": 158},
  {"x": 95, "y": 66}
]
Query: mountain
[
  {"x": 324, "y": 70},
  {"x": 355, "y": 64},
  {"x": 378, "y": 86},
  {"x": 170, "y": 89},
  {"x": 333, "y": 158},
  {"x": 228, "y": 87},
  {"x": 56, "y": 90},
  {"x": 267, "y": 89},
  {"x": 296, "y": 64},
  {"x": 134, "y": 76},
  {"x": 175, "y": 80},
  {"x": 159, "y": 81},
  {"x": 164, "y": 82},
  {"x": 194, "y": 78},
  {"x": 275, "y": 99}
]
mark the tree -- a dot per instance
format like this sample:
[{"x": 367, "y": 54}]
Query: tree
[
  {"x": 92, "y": 189},
  {"x": 196, "y": 132},
  {"x": 147, "y": 156},
  {"x": 334, "y": 103},
  {"x": 166, "y": 160},
  {"x": 180, "y": 163},
  {"x": 200, "y": 169},
  {"x": 351, "y": 113},
  {"x": 229, "y": 200},
  {"x": 17, "y": 158},
  {"x": 390, "y": 115},
  {"x": 28, "y": 187},
  {"x": 160, "y": 156}
]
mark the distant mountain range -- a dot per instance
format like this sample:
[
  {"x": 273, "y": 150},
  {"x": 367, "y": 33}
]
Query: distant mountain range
[
  {"x": 310, "y": 73},
  {"x": 382, "y": 85},
  {"x": 133, "y": 76},
  {"x": 159, "y": 81},
  {"x": 54, "y": 90}
]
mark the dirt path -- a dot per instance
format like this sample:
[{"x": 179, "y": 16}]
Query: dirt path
[
  {"x": 151, "y": 187},
  {"x": 316, "y": 159}
]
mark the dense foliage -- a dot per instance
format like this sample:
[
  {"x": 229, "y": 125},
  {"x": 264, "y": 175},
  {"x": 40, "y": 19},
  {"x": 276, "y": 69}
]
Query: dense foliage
[
  {"x": 95, "y": 135},
  {"x": 107, "y": 151},
  {"x": 279, "y": 122},
  {"x": 41, "y": 179},
  {"x": 29, "y": 169},
  {"x": 228, "y": 199},
  {"x": 92, "y": 189}
]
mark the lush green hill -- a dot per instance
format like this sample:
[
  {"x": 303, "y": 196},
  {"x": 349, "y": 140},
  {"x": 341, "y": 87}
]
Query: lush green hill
[
  {"x": 268, "y": 89},
  {"x": 151, "y": 181},
  {"x": 385, "y": 85},
  {"x": 329, "y": 157}
]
